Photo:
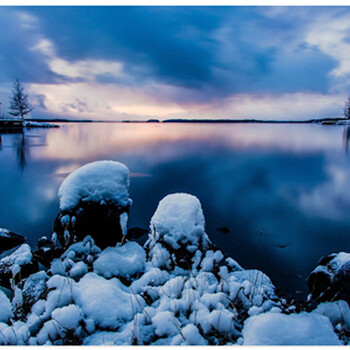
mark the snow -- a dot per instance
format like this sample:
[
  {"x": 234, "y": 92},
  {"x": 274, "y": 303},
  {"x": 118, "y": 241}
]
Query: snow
[
  {"x": 123, "y": 261},
  {"x": 21, "y": 256},
  {"x": 294, "y": 329},
  {"x": 222, "y": 320},
  {"x": 67, "y": 317},
  {"x": 189, "y": 336},
  {"x": 340, "y": 261},
  {"x": 179, "y": 220},
  {"x": 4, "y": 232},
  {"x": 107, "y": 302},
  {"x": 337, "y": 312},
  {"x": 5, "y": 307},
  {"x": 165, "y": 324},
  {"x": 99, "y": 181},
  {"x": 78, "y": 270}
]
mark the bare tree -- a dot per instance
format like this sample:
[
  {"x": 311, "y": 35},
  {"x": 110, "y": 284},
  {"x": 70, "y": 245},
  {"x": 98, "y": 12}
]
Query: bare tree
[
  {"x": 346, "y": 110},
  {"x": 19, "y": 104}
]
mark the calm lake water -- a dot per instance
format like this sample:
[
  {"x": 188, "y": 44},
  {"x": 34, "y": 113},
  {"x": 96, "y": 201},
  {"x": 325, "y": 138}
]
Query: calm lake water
[{"x": 290, "y": 183}]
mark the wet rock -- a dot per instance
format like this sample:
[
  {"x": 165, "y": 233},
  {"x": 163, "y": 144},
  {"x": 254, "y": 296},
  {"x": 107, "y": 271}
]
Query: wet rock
[
  {"x": 9, "y": 240},
  {"x": 94, "y": 201},
  {"x": 330, "y": 280},
  {"x": 101, "y": 222}
]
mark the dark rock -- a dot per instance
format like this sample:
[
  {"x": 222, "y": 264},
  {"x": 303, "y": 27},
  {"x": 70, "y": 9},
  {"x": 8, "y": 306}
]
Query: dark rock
[
  {"x": 225, "y": 230},
  {"x": 138, "y": 235},
  {"x": 330, "y": 280},
  {"x": 100, "y": 221},
  {"x": 47, "y": 251},
  {"x": 9, "y": 240}
]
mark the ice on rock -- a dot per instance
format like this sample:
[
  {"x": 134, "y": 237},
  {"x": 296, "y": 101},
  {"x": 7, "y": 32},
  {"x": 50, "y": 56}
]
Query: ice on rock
[
  {"x": 107, "y": 302},
  {"x": 124, "y": 261},
  {"x": 179, "y": 220},
  {"x": 95, "y": 182},
  {"x": 293, "y": 329},
  {"x": 5, "y": 307}
]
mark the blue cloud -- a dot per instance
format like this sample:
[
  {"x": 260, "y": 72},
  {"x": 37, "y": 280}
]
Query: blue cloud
[{"x": 214, "y": 51}]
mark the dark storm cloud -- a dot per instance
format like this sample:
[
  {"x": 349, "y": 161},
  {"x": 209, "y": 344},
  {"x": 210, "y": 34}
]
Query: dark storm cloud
[
  {"x": 215, "y": 51},
  {"x": 18, "y": 36}
]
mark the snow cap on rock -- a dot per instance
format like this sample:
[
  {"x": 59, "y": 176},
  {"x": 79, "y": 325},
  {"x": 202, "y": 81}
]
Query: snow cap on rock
[
  {"x": 179, "y": 220},
  {"x": 295, "y": 329},
  {"x": 99, "y": 181}
]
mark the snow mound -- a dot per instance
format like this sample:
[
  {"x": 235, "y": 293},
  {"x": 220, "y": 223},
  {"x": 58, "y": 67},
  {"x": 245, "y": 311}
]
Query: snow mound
[
  {"x": 179, "y": 220},
  {"x": 122, "y": 261},
  {"x": 13, "y": 262},
  {"x": 5, "y": 307},
  {"x": 99, "y": 181},
  {"x": 338, "y": 312},
  {"x": 294, "y": 329},
  {"x": 107, "y": 302}
]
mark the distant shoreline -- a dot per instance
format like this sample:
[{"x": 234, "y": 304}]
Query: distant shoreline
[{"x": 324, "y": 121}]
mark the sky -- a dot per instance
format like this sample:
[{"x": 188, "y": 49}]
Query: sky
[{"x": 137, "y": 63}]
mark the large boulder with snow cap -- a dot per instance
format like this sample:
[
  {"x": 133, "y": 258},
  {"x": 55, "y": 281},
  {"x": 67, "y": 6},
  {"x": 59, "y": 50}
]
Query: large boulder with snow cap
[
  {"x": 178, "y": 227},
  {"x": 94, "y": 200},
  {"x": 330, "y": 280}
]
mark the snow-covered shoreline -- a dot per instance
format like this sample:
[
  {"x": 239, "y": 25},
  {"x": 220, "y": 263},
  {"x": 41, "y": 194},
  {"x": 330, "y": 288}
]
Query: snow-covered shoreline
[{"x": 176, "y": 289}]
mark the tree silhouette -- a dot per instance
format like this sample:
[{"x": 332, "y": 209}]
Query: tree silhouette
[
  {"x": 19, "y": 104},
  {"x": 346, "y": 110}
]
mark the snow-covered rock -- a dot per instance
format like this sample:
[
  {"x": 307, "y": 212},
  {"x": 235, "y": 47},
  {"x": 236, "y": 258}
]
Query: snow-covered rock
[
  {"x": 95, "y": 182},
  {"x": 124, "y": 261},
  {"x": 177, "y": 231},
  {"x": 179, "y": 220},
  {"x": 294, "y": 329},
  {"x": 94, "y": 200},
  {"x": 107, "y": 302},
  {"x": 17, "y": 265},
  {"x": 330, "y": 280},
  {"x": 338, "y": 313}
]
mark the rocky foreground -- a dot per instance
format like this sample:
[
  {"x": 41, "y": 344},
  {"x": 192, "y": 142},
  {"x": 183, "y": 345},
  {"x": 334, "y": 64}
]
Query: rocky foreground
[{"x": 93, "y": 285}]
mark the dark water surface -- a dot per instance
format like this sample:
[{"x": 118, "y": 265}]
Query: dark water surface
[{"x": 288, "y": 183}]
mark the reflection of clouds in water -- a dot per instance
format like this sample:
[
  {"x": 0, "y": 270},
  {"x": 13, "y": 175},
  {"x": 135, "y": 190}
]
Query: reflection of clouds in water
[
  {"x": 331, "y": 198},
  {"x": 95, "y": 141}
]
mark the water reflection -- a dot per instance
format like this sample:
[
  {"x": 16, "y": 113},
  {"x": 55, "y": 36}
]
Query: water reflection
[
  {"x": 289, "y": 180},
  {"x": 346, "y": 138}
]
